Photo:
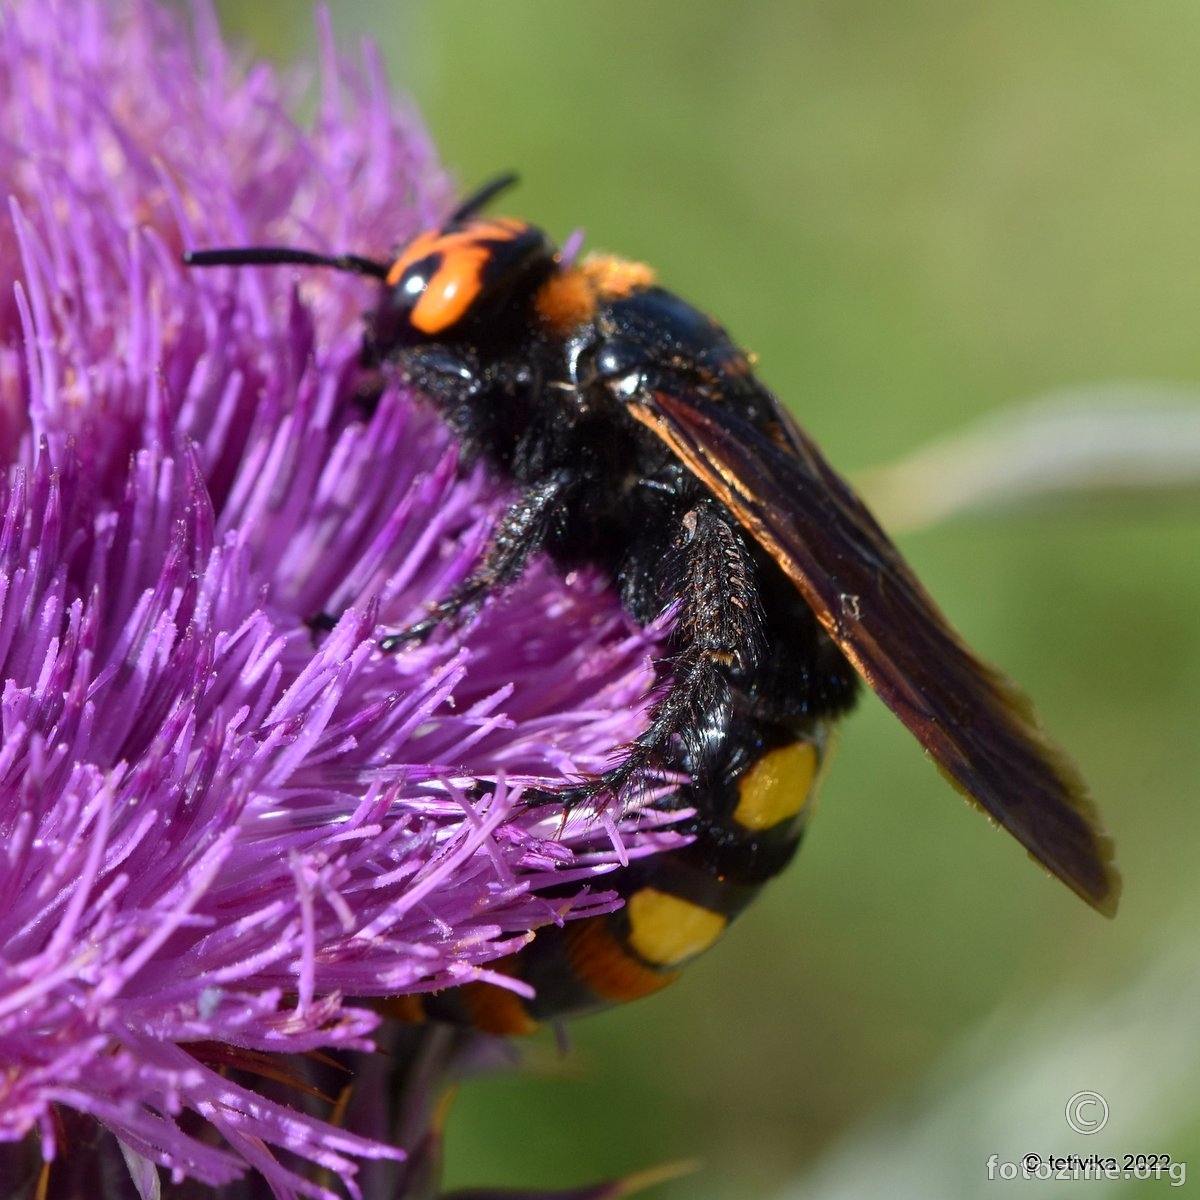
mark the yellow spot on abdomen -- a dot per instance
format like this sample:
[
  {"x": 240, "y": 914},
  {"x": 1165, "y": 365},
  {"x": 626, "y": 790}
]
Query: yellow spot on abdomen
[
  {"x": 667, "y": 931},
  {"x": 777, "y": 787},
  {"x": 611, "y": 972}
]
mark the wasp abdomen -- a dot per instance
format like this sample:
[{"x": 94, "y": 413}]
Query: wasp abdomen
[{"x": 748, "y": 824}]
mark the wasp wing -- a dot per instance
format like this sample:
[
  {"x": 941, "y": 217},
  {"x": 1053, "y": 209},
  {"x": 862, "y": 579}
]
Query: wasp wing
[{"x": 979, "y": 728}]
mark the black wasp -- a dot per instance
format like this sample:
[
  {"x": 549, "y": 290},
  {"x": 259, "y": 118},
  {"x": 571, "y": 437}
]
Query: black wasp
[{"x": 642, "y": 443}]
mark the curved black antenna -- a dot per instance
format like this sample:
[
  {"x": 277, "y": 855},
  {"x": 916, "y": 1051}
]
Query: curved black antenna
[
  {"x": 476, "y": 200},
  {"x": 270, "y": 256},
  {"x": 250, "y": 256}
]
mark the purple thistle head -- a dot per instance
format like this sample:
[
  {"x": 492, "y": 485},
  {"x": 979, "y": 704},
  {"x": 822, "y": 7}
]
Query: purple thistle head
[{"x": 217, "y": 825}]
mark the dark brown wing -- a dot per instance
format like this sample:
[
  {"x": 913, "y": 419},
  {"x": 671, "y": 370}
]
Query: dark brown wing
[{"x": 978, "y": 727}]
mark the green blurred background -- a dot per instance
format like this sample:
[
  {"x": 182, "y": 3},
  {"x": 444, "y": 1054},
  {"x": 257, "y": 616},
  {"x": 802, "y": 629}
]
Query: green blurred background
[{"x": 914, "y": 213}]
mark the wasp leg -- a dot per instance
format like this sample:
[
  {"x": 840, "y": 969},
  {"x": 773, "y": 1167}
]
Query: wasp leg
[
  {"x": 521, "y": 531},
  {"x": 717, "y": 631}
]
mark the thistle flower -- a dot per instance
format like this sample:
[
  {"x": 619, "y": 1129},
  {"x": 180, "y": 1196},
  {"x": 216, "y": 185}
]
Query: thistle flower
[{"x": 218, "y": 824}]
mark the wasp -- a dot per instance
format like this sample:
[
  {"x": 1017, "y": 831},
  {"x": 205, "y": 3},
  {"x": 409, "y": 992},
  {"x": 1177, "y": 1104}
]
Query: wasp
[{"x": 641, "y": 442}]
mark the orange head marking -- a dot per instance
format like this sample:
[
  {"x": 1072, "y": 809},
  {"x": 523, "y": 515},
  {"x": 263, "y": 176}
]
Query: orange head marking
[{"x": 452, "y": 280}]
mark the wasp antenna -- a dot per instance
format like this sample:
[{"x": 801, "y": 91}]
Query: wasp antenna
[
  {"x": 476, "y": 200},
  {"x": 250, "y": 256}
]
